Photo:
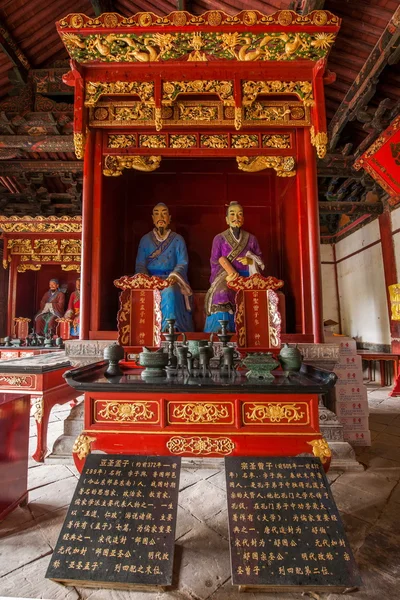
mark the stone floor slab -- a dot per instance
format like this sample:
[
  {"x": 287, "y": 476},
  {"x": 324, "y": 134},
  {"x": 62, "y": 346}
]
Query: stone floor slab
[
  {"x": 21, "y": 548},
  {"x": 46, "y": 474},
  {"x": 356, "y": 502},
  {"x": 52, "y": 497},
  {"x": 203, "y": 500}
]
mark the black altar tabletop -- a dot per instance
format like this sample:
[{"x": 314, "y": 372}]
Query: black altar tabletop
[{"x": 310, "y": 380}]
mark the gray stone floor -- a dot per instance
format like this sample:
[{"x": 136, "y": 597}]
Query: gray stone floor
[{"x": 369, "y": 502}]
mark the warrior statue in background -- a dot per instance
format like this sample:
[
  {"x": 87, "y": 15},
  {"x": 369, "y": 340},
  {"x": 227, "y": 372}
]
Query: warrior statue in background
[
  {"x": 51, "y": 308},
  {"x": 234, "y": 252},
  {"x": 162, "y": 253}
]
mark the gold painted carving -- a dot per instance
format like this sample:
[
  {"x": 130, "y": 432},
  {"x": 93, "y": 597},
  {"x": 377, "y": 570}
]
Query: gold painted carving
[
  {"x": 196, "y": 412},
  {"x": 79, "y": 145},
  {"x": 255, "y": 282},
  {"x": 320, "y": 141},
  {"x": 197, "y": 112},
  {"x": 214, "y": 141},
  {"x": 158, "y": 118},
  {"x": 96, "y": 89},
  {"x": 182, "y": 141},
  {"x": 22, "y": 268},
  {"x": 200, "y": 445},
  {"x": 223, "y": 89},
  {"x": 16, "y": 380},
  {"x": 121, "y": 141},
  {"x": 153, "y": 141},
  {"x": 183, "y": 18},
  {"x": 244, "y": 141},
  {"x": 39, "y": 409},
  {"x": 127, "y": 412},
  {"x": 82, "y": 445},
  {"x": 141, "y": 281},
  {"x": 238, "y": 120},
  {"x": 321, "y": 449},
  {"x": 302, "y": 89},
  {"x": 239, "y": 321},
  {"x": 261, "y": 112},
  {"x": 71, "y": 267},
  {"x": 276, "y": 141},
  {"x": 274, "y": 413},
  {"x": 41, "y": 224},
  {"x": 274, "y": 319},
  {"x": 283, "y": 165},
  {"x": 114, "y": 165}
]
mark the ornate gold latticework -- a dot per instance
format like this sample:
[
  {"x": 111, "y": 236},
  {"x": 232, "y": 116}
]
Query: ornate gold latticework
[
  {"x": 82, "y": 445},
  {"x": 129, "y": 412},
  {"x": 223, "y": 89},
  {"x": 321, "y": 449},
  {"x": 284, "y": 166},
  {"x": 200, "y": 445},
  {"x": 302, "y": 89},
  {"x": 95, "y": 89},
  {"x": 276, "y": 141},
  {"x": 255, "y": 282},
  {"x": 41, "y": 224},
  {"x": 274, "y": 412},
  {"x": 17, "y": 380},
  {"x": 141, "y": 281},
  {"x": 114, "y": 165},
  {"x": 320, "y": 141},
  {"x": 199, "y": 412}
]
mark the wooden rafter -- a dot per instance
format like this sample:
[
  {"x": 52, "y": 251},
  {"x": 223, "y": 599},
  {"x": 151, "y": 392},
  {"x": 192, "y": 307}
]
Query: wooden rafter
[
  {"x": 9, "y": 167},
  {"x": 17, "y": 57},
  {"x": 306, "y": 6},
  {"x": 363, "y": 88}
]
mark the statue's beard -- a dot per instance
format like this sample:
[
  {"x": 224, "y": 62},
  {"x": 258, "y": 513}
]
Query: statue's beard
[
  {"x": 236, "y": 231},
  {"x": 161, "y": 230}
]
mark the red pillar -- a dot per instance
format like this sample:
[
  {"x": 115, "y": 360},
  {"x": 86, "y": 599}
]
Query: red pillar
[
  {"x": 96, "y": 233},
  {"x": 87, "y": 233},
  {"x": 313, "y": 238}
]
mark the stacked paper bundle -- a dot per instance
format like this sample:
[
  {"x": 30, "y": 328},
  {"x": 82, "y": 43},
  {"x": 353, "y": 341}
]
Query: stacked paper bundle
[{"x": 351, "y": 394}]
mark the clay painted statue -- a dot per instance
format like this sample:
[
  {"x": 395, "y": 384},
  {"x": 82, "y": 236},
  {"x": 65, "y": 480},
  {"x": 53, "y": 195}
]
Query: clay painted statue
[
  {"x": 162, "y": 253},
  {"x": 73, "y": 309},
  {"x": 234, "y": 252},
  {"x": 51, "y": 308}
]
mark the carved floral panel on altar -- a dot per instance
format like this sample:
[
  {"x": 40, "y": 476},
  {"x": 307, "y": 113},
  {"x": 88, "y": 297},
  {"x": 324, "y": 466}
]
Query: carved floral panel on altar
[
  {"x": 275, "y": 413},
  {"x": 200, "y": 413},
  {"x": 126, "y": 412}
]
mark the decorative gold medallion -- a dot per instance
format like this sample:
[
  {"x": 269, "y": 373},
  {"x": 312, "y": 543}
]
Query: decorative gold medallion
[
  {"x": 82, "y": 445},
  {"x": 275, "y": 412},
  {"x": 321, "y": 449},
  {"x": 199, "y": 412}
]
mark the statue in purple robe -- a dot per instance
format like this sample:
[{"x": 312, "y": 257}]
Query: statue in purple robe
[
  {"x": 162, "y": 253},
  {"x": 234, "y": 252}
]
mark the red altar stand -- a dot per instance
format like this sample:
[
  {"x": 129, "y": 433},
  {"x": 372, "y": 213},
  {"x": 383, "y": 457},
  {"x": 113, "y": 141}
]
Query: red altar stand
[
  {"x": 64, "y": 328},
  {"x": 22, "y": 328},
  {"x": 198, "y": 111},
  {"x": 257, "y": 317},
  {"x": 14, "y": 443},
  {"x": 139, "y": 317},
  {"x": 41, "y": 378}
]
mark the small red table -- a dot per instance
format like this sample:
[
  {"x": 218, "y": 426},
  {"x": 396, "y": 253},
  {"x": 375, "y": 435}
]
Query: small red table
[
  {"x": 382, "y": 357},
  {"x": 14, "y": 443},
  {"x": 42, "y": 378}
]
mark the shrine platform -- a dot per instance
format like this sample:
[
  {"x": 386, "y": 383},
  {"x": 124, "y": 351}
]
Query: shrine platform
[{"x": 369, "y": 502}]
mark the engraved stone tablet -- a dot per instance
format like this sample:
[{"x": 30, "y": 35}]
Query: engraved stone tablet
[
  {"x": 285, "y": 530},
  {"x": 120, "y": 528}
]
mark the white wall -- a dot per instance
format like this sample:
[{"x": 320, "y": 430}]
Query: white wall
[
  {"x": 361, "y": 282},
  {"x": 329, "y": 294}
]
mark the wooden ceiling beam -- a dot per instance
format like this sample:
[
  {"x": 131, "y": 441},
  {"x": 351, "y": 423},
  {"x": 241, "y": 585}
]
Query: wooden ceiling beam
[
  {"x": 350, "y": 208},
  {"x": 363, "y": 88},
  {"x": 13, "y": 52},
  {"x": 49, "y": 143},
  {"x": 51, "y": 167},
  {"x": 102, "y": 6}
]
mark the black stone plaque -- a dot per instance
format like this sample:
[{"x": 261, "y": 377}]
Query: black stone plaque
[
  {"x": 284, "y": 527},
  {"x": 120, "y": 528}
]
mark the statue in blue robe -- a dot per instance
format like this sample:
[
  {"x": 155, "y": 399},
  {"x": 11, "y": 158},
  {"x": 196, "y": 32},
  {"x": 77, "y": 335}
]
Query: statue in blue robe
[{"x": 162, "y": 253}]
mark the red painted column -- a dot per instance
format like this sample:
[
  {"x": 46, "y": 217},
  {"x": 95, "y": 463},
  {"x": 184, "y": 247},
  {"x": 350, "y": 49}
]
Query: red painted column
[
  {"x": 96, "y": 232},
  {"x": 313, "y": 238},
  {"x": 87, "y": 236}
]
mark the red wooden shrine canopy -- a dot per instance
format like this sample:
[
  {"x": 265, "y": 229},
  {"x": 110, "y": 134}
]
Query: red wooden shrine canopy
[{"x": 241, "y": 98}]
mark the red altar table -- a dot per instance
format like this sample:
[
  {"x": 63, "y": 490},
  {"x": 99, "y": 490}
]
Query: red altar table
[
  {"x": 208, "y": 417},
  {"x": 41, "y": 378},
  {"x": 14, "y": 442},
  {"x": 382, "y": 357},
  {"x": 7, "y": 353}
]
